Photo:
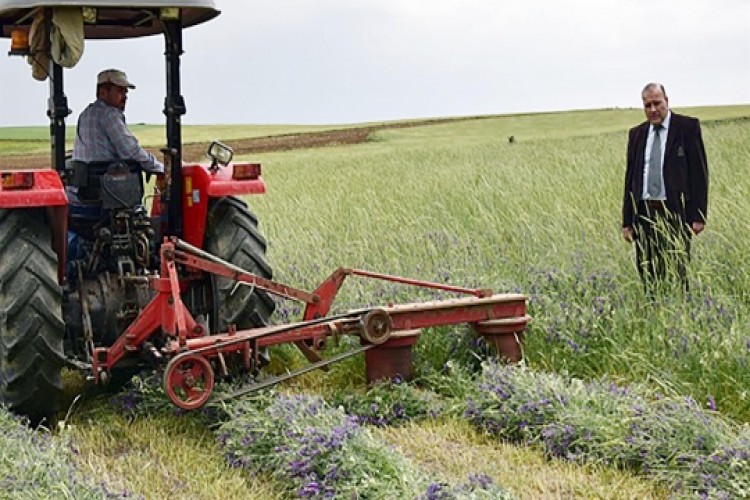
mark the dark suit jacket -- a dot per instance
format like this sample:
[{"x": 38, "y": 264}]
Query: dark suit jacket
[{"x": 685, "y": 170}]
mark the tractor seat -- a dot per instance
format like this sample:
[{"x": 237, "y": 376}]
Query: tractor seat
[{"x": 108, "y": 184}]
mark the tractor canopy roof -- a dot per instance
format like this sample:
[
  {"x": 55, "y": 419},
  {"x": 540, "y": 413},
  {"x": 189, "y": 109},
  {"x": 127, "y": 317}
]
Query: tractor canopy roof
[{"x": 105, "y": 19}]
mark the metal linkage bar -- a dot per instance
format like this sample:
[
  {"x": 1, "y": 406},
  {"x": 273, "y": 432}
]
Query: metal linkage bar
[
  {"x": 327, "y": 291},
  {"x": 348, "y": 323},
  {"x": 194, "y": 257},
  {"x": 420, "y": 283}
]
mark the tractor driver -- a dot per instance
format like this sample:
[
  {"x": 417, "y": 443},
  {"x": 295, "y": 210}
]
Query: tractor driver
[{"x": 102, "y": 134}]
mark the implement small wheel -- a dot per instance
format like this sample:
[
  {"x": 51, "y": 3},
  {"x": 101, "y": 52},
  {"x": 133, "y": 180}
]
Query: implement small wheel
[
  {"x": 188, "y": 381},
  {"x": 376, "y": 326}
]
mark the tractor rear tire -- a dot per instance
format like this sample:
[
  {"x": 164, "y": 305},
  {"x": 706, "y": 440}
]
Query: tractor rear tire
[
  {"x": 31, "y": 325},
  {"x": 232, "y": 235}
]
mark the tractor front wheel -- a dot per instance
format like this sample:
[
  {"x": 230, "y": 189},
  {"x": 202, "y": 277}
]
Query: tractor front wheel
[
  {"x": 232, "y": 235},
  {"x": 31, "y": 325}
]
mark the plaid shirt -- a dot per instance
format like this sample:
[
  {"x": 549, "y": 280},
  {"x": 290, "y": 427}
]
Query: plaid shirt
[{"x": 103, "y": 136}]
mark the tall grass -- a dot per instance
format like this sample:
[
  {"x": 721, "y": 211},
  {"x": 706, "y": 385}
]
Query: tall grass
[{"x": 541, "y": 216}]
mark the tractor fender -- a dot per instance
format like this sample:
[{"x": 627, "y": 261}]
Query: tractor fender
[
  {"x": 43, "y": 190},
  {"x": 46, "y": 189},
  {"x": 200, "y": 185}
]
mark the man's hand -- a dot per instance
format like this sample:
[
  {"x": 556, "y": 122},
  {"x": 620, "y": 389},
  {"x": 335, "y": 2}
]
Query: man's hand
[
  {"x": 627, "y": 234},
  {"x": 697, "y": 227},
  {"x": 162, "y": 182}
]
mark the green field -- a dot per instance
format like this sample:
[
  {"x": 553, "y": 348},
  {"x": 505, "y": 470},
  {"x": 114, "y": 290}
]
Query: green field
[
  {"x": 540, "y": 215},
  {"x": 458, "y": 202}
]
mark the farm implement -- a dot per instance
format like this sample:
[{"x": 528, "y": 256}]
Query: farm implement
[
  {"x": 194, "y": 356},
  {"x": 91, "y": 279}
]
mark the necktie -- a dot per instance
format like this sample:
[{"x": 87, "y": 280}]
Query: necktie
[{"x": 654, "y": 165}]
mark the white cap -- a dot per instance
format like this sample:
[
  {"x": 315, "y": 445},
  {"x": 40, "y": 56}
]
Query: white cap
[{"x": 115, "y": 77}]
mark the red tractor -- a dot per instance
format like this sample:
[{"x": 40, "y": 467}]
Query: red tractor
[
  {"x": 116, "y": 242},
  {"x": 91, "y": 280}
]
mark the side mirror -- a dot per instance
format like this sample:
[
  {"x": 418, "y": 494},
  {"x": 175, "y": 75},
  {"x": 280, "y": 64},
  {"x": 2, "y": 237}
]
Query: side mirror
[{"x": 220, "y": 154}]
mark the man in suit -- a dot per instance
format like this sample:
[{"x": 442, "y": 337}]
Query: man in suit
[{"x": 666, "y": 189}]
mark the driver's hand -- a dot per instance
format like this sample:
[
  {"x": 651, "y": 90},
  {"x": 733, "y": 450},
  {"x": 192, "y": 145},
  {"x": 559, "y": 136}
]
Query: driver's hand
[{"x": 161, "y": 182}]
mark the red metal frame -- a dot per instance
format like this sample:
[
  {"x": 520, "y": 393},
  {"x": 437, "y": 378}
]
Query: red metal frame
[
  {"x": 328, "y": 290},
  {"x": 166, "y": 313}
]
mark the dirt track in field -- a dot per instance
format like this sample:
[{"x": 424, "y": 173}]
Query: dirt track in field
[{"x": 195, "y": 152}]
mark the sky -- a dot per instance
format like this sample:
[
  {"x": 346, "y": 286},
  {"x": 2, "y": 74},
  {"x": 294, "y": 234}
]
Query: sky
[{"x": 354, "y": 61}]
